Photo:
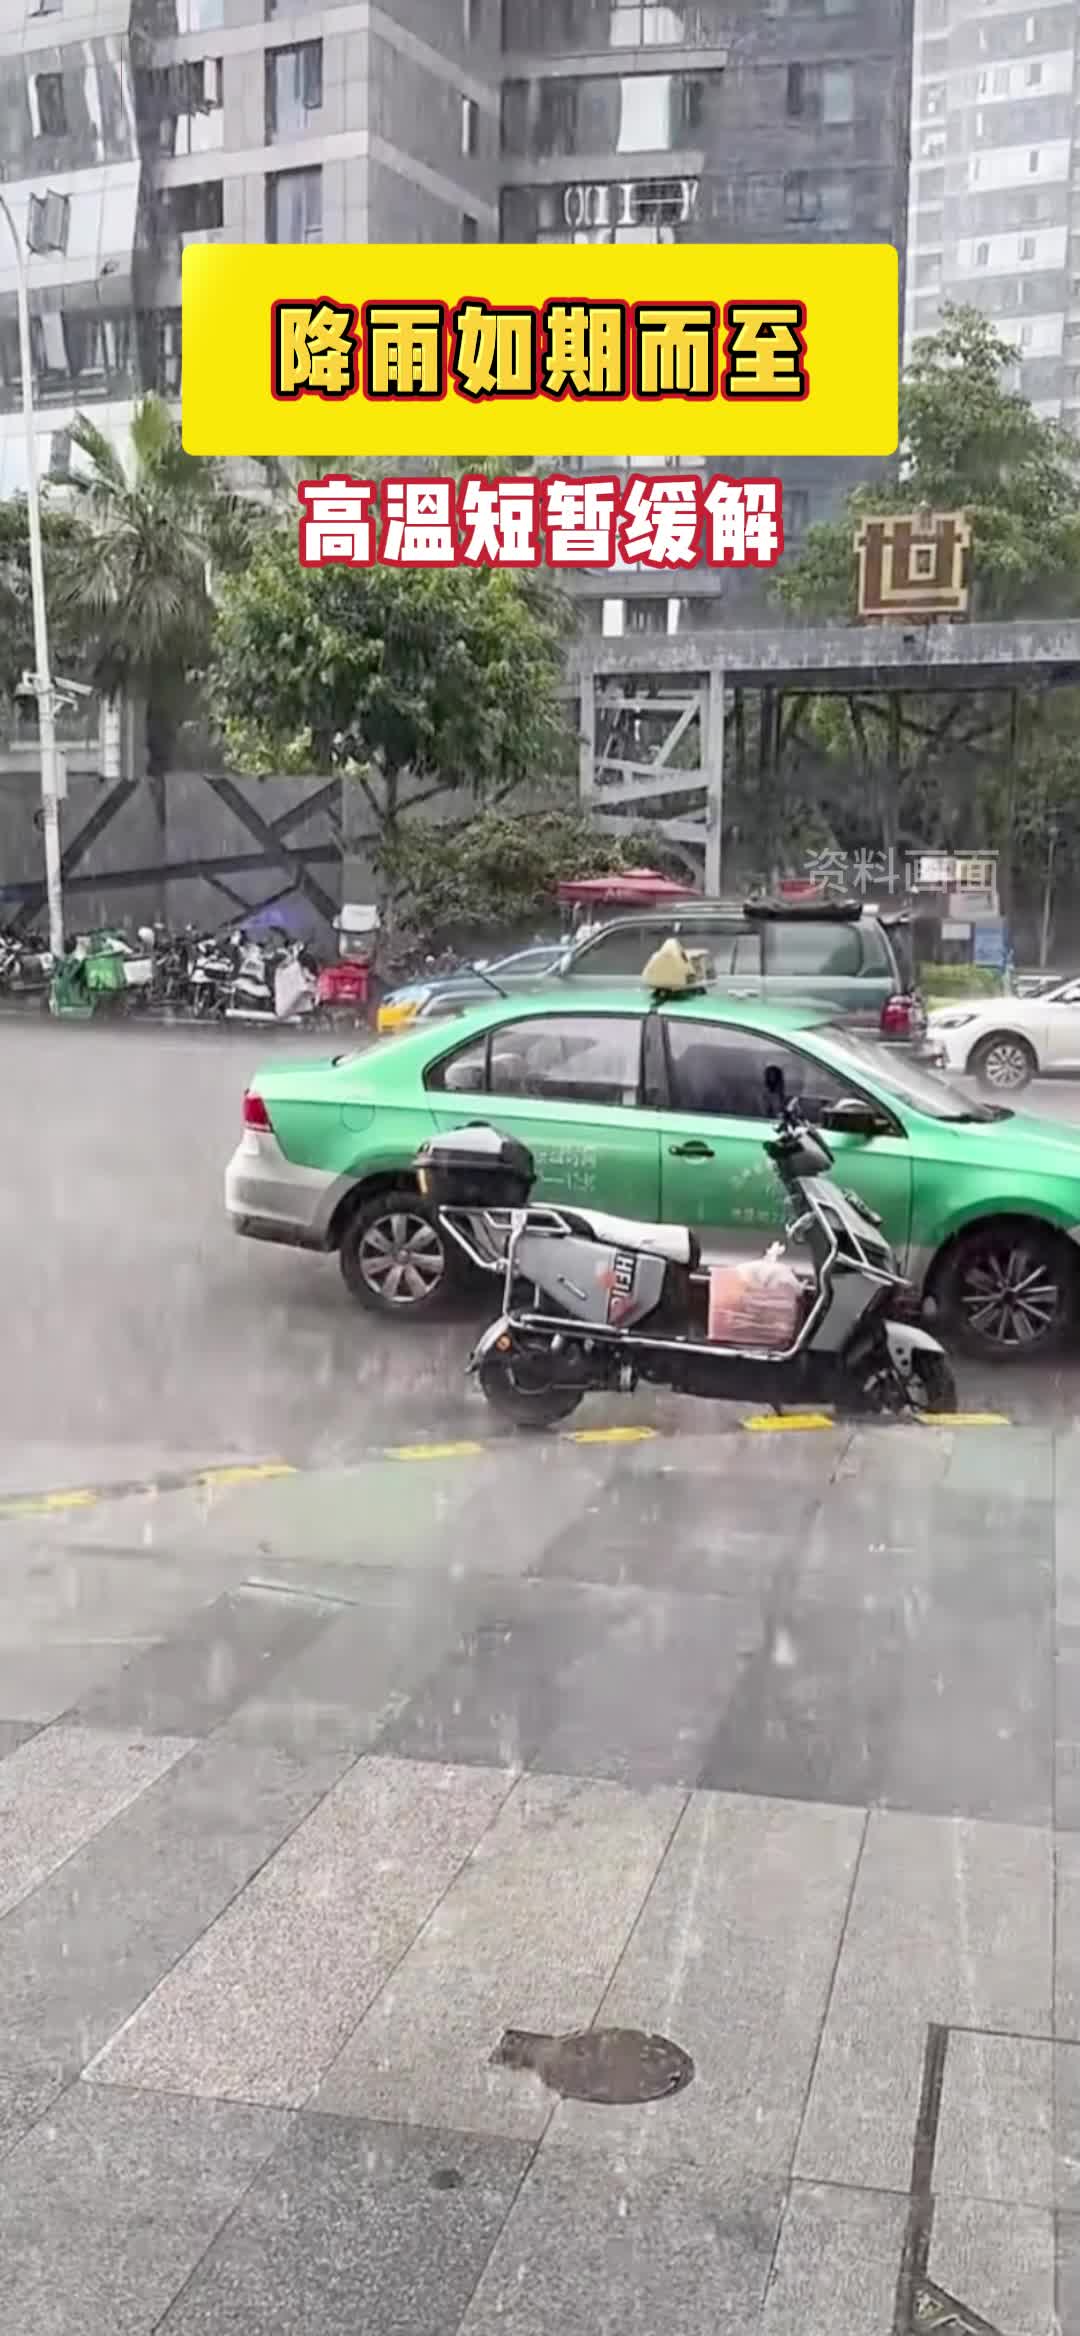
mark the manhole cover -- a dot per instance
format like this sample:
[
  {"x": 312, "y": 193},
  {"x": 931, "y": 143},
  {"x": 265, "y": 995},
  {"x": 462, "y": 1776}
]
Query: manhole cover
[{"x": 599, "y": 2064}]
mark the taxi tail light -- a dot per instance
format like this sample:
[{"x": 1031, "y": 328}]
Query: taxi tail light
[
  {"x": 256, "y": 1115},
  {"x": 903, "y": 1016}
]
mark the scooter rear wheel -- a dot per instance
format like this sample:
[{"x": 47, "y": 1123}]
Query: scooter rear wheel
[{"x": 530, "y": 1407}]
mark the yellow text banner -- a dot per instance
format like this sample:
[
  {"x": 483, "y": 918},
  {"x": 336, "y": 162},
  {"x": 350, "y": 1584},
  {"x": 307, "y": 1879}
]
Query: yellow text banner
[{"x": 560, "y": 349}]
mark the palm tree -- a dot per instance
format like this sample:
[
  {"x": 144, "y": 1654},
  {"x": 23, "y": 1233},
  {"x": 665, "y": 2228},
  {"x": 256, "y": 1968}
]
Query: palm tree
[{"x": 137, "y": 577}]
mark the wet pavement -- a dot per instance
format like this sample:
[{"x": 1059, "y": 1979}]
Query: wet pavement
[
  {"x": 365, "y": 1740},
  {"x": 143, "y": 1334},
  {"x": 314, "y": 1785}
]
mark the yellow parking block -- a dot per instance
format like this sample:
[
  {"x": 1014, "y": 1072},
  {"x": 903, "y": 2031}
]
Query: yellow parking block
[
  {"x": 250, "y": 1472},
  {"x": 793, "y": 1420},
  {"x": 433, "y": 1451},
  {"x": 609, "y": 1435},
  {"x": 964, "y": 1419}
]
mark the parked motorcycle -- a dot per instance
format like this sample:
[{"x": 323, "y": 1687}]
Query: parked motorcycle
[
  {"x": 595, "y": 1303},
  {"x": 26, "y": 966}
]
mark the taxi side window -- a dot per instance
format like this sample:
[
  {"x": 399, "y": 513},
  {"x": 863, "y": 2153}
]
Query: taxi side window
[{"x": 720, "y": 1072}]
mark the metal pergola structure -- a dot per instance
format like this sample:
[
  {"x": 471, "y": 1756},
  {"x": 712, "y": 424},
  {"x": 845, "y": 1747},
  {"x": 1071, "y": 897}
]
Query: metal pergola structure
[{"x": 683, "y": 687}]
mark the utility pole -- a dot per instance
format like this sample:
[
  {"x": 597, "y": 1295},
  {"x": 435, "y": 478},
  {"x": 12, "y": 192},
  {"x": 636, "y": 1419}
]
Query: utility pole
[{"x": 42, "y": 677}]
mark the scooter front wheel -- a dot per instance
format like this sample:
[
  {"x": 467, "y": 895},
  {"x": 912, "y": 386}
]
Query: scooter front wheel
[
  {"x": 931, "y": 1385},
  {"x": 520, "y": 1395}
]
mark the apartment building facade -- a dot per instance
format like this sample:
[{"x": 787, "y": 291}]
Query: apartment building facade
[
  {"x": 151, "y": 122},
  {"x": 995, "y": 182}
]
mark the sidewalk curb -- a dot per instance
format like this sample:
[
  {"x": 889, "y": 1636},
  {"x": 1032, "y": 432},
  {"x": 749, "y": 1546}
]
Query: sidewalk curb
[{"x": 74, "y": 1498}]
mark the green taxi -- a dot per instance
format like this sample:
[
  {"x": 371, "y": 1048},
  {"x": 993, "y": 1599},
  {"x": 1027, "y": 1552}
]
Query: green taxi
[{"x": 657, "y": 1110}]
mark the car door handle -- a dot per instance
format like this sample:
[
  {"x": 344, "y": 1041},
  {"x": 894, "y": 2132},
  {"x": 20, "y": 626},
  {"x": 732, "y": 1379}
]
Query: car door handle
[
  {"x": 691, "y": 1151},
  {"x": 742, "y": 993}
]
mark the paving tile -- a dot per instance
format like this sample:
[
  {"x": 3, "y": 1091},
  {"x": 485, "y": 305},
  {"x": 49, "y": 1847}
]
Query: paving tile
[
  {"x": 732, "y": 1959},
  {"x": 1066, "y": 2103},
  {"x": 837, "y": 2263},
  {"x": 79, "y": 1954},
  {"x": 951, "y": 1922},
  {"x": 642, "y": 1706},
  {"x": 996, "y": 2126},
  {"x": 13, "y": 1733},
  {"x": 108, "y": 2204},
  {"x": 193, "y": 1679},
  {"x": 357, "y": 1674},
  {"x": 511, "y": 1681},
  {"x": 527, "y": 1937},
  {"x": 24, "y": 2095},
  {"x": 52, "y": 1593},
  {"x": 265, "y": 1999},
  {"x": 999, "y": 2260},
  {"x": 37, "y": 1683},
  {"x": 355, "y": 2227},
  {"x": 656, "y": 1529},
  {"x": 900, "y": 1706},
  {"x": 381, "y": 1512},
  {"x": 1067, "y": 1937},
  {"x": 1068, "y": 2274},
  {"x": 915, "y": 1545},
  {"x": 61, "y": 1788},
  {"x": 595, "y": 2247}
]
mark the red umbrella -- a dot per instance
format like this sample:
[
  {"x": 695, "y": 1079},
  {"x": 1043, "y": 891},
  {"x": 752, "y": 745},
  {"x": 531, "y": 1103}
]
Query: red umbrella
[{"x": 638, "y": 887}]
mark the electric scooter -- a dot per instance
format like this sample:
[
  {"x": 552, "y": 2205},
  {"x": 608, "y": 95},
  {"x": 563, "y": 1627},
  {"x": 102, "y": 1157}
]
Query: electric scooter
[{"x": 595, "y": 1303}]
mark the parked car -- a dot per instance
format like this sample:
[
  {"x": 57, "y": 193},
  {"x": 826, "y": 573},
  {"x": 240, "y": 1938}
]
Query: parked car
[
  {"x": 450, "y": 993},
  {"x": 839, "y": 955},
  {"x": 1007, "y": 1042},
  {"x": 658, "y": 1111}
]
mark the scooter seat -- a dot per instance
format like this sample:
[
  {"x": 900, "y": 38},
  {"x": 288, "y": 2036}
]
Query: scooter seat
[{"x": 676, "y": 1242}]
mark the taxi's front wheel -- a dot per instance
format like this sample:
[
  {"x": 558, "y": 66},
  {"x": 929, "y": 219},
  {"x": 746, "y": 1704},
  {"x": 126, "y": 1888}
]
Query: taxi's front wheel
[{"x": 1008, "y": 1291}]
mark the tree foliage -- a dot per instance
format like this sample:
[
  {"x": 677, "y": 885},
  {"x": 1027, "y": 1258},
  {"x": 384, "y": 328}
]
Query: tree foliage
[
  {"x": 136, "y": 577},
  {"x": 412, "y": 682},
  {"x": 498, "y": 869},
  {"x": 968, "y": 442},
  {"x": 16, "y": 615}
]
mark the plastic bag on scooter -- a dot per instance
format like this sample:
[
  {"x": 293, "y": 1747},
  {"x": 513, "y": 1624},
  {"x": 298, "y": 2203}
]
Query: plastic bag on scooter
[{"x": 755, "y": 1305}]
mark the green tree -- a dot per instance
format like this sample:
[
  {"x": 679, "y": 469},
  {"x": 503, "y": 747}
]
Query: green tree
[
  {"x": 967, "y": 442},
  {"x": 59, "y": 530},
  {"x": 498, "y": 869},
  {"x": 137, "y": 580},
  {"x": 412, "y": 683}
]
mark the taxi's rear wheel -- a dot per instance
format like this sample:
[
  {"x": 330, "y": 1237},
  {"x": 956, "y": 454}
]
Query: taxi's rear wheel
[{"x": 394, "y": 1256}]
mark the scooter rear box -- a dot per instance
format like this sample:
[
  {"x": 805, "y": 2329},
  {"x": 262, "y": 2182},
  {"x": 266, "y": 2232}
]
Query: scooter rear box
[{"x": 475, "y": 1168}]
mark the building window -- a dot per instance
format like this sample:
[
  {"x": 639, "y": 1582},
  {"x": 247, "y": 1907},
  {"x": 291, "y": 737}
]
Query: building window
[
  {"x": 468, "y": 23},
  {"x": 1027, "y": 247},
  {"x": 1033, "y": 76},
  {"x": 470, "y": 125},
  {"x": 197, "y": 210},
  {"x": 51, "y": 107},
  {"x": 1033, "y": 159},
  {"x": 837, "y": 96},
  {"x": 982, "y": 255},
  {"x": 294, "y": 89},
  {"x": 470, "y": 232},
  {"x": 610, "y": 113},
  {"x": 802, "y": 199},
  {"x": 795, "y": 89},
  {"x": 294, "y": 206}
]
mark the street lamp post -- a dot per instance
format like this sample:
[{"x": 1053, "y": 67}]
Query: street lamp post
[{"x": 43, "y": 684}]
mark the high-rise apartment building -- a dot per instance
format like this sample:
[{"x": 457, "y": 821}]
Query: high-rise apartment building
[
  {"x": 995, "y": 181},
  {"x": 158, "y": 122},
  {"x": 153, "y": 122}
]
